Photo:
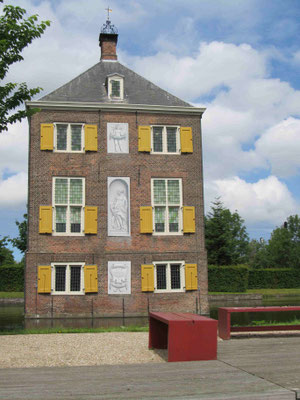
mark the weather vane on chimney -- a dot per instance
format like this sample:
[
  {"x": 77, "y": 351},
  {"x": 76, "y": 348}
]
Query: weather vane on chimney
[
  {"x": 108, "y": 27},
  {"x": 108, "y": 11}
]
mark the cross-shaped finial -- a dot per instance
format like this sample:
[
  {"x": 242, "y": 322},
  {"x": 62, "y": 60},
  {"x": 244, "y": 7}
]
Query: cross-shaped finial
[{"x": 108, "y": 11}]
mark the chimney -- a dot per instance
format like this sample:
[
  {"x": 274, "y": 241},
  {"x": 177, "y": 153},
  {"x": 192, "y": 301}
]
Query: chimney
[{"x": 108, "y": 41}]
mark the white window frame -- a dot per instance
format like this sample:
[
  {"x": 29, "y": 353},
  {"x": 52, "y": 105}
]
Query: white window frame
[
  {"x": 68, "y": 278},
  {"x": 168, "y": 277},
  {"x": 164, "y": 139},
  {"x": 119, "y": 79},
  {"x": 68, "y": 205},
  {"x": 69, "y": 143},
  {"x": 180, "y": 206}
]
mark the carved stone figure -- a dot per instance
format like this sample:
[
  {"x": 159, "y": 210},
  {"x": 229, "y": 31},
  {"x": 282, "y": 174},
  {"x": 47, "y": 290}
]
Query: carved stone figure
[
  {"x": 119, "y": 277},
  {"x": 118, "y": 207},
  {"x": 117, "y": 137}
]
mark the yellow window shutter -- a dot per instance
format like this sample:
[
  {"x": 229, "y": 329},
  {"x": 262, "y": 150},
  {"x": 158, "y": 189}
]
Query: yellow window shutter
[
  {"x": 189, "y": 220},
  {"x": 45, "y": 219},
  {"x": 147, "y": 278},
  {"x": 191, "y": 279},
  {"x": 91, "y": 220},
  {"x": 91, "y": 137},
  {"x": 186, "y": 140},
  {"x": 144, "y": 138},
  {"x": 44, "y": 279},
  {"x": 146, "y": 222},
  {"x": 47, "y": 136},
  {"x": 91, "y": 278}
]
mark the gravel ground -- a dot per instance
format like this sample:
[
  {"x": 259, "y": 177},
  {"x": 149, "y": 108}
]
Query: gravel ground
[{"x": 21, "y": 351}]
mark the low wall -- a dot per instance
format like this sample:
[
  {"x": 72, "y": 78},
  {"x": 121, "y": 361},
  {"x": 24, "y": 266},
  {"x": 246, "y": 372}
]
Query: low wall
[
  {"x": 239, "y": 299},
  {"x": 11, "y": 301}
]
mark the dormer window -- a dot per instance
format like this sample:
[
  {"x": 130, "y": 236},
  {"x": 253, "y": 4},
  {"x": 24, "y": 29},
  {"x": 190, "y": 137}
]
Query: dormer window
[{"x": 115, "y": 87}]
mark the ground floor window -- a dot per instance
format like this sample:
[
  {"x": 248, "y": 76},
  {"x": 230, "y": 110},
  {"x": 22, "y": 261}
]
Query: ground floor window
[
  {"x": 169, "y": 276},
  {"x": 67, "y": 278}
]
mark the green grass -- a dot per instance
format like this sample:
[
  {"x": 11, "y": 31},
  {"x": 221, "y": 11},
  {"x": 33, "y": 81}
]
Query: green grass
[
  {"x": 270, "y": 323},
  {"x": 131, "y": 328},
  {"x": 266, "y": 292},
  {"x": 274, "y": 292},
  {"x": 11, "y": 295}
]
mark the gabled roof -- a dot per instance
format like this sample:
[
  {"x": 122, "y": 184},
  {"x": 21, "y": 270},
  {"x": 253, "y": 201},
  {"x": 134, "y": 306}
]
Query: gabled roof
[{"x": 90, "y": 87}]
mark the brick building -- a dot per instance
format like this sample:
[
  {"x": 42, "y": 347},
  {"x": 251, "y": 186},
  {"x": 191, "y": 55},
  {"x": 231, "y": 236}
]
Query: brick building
[{"x": 115, "y": 207}]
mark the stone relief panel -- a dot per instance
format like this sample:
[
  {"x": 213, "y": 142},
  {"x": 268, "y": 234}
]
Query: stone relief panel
[
  {"x": 118, "y": 203},
  {"x": 117, "y": 138},
  {"x": 119, "y": 277}
]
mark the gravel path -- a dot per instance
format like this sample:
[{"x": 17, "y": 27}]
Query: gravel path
[{"x": 77, "y": 349}]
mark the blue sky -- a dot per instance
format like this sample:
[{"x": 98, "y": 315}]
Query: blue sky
[{"x": 238, "y": 58}]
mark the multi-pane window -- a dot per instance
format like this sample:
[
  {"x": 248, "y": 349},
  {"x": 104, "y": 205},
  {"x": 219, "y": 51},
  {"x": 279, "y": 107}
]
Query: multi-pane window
[
  {"x": 167, "y": 205},
  {"x": 165, "y": 139},
  {"x": 67, "y": 278},
  {"x": 69, "y": 137},
  {"x": 68, "y": 202},
  {"x": 169, "y": 276},
  {"x": 116, "y": 87}
]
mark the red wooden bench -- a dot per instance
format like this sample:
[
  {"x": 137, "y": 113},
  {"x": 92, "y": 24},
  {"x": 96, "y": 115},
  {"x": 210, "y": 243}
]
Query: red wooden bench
[
  {"x": 224, "y": 318},
  {"x": 188, "y": 337}
]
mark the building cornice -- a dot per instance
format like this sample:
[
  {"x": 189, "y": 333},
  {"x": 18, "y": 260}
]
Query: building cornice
[{"x": 91, "y": 106}]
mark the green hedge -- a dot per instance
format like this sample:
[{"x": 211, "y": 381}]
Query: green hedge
[
  {"x": 274, "y": 278},
  {"x": 228, "y": 279},
  {"x": 11, "y": 278}
]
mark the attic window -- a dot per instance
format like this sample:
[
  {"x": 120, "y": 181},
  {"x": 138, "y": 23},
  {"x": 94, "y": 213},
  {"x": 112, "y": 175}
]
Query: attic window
[{"x": 115, "y": 87}]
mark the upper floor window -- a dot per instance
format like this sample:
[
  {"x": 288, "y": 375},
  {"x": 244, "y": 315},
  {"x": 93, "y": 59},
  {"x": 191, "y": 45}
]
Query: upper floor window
[
  {"x": 68, "y": 137},
  {"x": 68, "y": 203},
  {"x": 116, "y": 87},
  {"x": 167, "y": 205},
  {"x": 165, "y": 139}
]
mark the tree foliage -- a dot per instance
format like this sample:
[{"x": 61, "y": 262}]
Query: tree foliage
[
  {"x": 16, "y": 33},
  {"x": 282, "y": 250},
  {"x": 6, "y": 255},
  {"x": 20, "y": 242},
  {"x": 226, "y": 238}
]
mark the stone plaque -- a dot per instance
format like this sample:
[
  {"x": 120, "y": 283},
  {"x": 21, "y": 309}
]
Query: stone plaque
[
  {"x": 118, "y": 202},
  {"x": 119, "y": 277},
  {"x": 117, "y": 138}
]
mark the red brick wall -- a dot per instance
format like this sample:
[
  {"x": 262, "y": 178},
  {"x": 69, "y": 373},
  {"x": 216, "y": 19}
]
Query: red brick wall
[{"x": 99, "y": 249}]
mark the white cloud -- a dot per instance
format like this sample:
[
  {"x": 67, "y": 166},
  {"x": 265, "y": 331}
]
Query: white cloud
[
  {"x": 280, "y": 145},
  {"x": 14, "y": 148},
  {"x": 215, "y": 65},
  {"x": 266, "y": 201},
  {"x": 14, "y": 191}
]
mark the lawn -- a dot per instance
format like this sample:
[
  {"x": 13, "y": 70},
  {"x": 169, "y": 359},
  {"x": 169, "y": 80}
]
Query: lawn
[
  {"x": 130, "y": 328},
  {"x": 11, "y": 295},
  {"x": 266, "y": 292}
]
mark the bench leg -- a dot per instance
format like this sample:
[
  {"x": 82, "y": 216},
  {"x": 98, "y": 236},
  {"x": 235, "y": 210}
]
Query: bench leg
[
  {"x": 158, "y": 334},
  {"x": 224, "y": 319}
]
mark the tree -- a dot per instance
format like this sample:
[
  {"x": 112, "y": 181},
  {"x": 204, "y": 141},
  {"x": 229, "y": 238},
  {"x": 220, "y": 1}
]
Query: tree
[
  {"x": 20, "y": 242},
  {"x": 283, "y": 249},
  {"x": 6, "y": 255},
  {"x": 227, "y": 241},
  {"x": 16, "y": 33},
  {"x": 258, "y": 257}
]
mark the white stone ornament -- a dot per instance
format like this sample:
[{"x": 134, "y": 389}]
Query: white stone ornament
[
  {"x": 117, "y": 138},
  {"x": 119, "y": 277},
  {"x": 118, "y": 192}
]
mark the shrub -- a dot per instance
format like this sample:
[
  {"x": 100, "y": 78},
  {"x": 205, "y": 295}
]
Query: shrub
[
  {"x": 11, "y": 278},
  {"x": 228, "y": 279},
  {"x": 274, "y": 278}
]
